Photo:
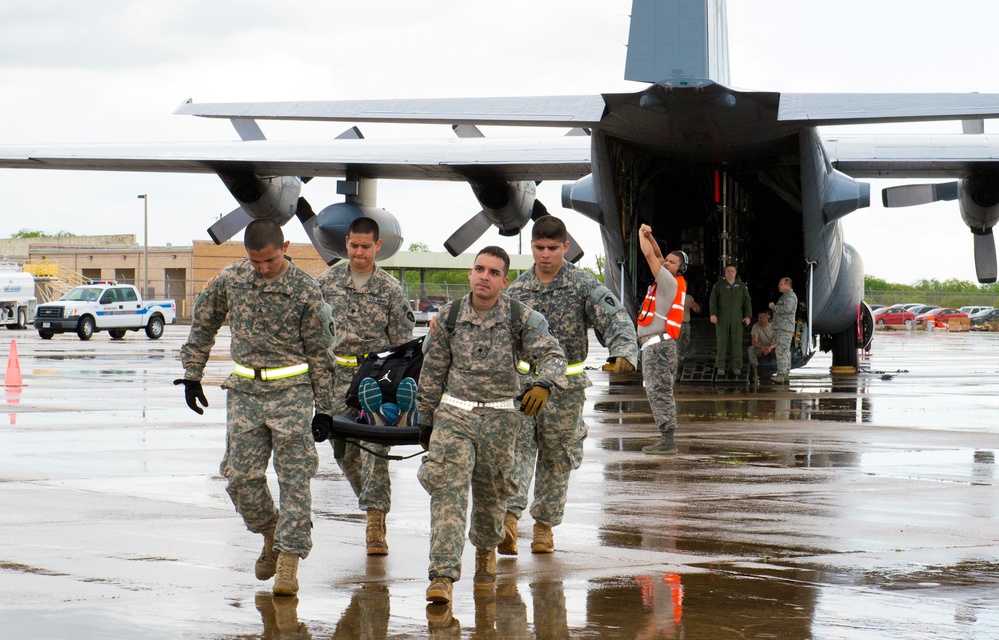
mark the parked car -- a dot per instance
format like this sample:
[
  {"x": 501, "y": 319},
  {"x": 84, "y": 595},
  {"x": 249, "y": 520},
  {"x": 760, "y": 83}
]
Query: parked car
[
  {"x": 912, "y": 305},
  {"x": 894, "y": 315},
  {"x": 921, "y": 308},
  {"x": 940, "y": 317},
  {"x": 972, "y": 310},
  {"x": 875, "y": 306},
  {"x": 987, "y": 316},
  {"x": 423, "y": 317}
]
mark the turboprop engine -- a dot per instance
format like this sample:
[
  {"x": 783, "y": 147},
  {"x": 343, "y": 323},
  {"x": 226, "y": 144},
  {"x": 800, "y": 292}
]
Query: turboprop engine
[{"x": 333, "y": 221}]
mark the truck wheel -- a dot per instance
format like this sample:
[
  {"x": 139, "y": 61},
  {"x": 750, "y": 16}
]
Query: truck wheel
[
  {"x": 45, "y": 335},
  {"x": 155, "y": 328},
  {"x": 22, "y": 320},
  {"x": 117, "y": 334},
  {"x": 86, "y": 328}
]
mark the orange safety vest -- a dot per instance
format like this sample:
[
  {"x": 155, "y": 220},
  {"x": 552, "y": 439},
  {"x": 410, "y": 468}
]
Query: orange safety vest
[
  {"x": 674, "y": 318},
  {"x": 648, "y": 310}
]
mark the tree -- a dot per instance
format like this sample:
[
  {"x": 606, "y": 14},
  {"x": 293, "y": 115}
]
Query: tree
[
  {"x": 33, "y": 233},
  {"x": 597, "y": 273},
  {"x": 418, "y": 247}
]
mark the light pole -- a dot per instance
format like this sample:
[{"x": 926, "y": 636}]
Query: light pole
[{"x": 145, "y": 245}]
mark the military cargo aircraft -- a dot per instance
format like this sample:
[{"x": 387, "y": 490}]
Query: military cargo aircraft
[{"x": 728, "y": 175}]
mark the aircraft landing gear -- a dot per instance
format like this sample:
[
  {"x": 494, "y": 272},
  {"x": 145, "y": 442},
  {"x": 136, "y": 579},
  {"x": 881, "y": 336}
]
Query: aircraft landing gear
[{"x": 844, "y": 351}]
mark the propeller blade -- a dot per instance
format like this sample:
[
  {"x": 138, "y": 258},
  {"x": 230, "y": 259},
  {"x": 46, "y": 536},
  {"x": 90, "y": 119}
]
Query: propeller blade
[
  {"x": 308, "y": 218},
  {"x": 985, "y": 256},
  {"x": 912, "y": 194},
  {"x": 468, "y": 233},
  {"x": 230, "y": 224},
  {"x": 575, "y": 251},
  {"x": 538, "y": 210}
]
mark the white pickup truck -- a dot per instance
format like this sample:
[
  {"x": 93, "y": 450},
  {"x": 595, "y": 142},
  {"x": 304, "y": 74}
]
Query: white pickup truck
[{"x": 104, "y": 306}]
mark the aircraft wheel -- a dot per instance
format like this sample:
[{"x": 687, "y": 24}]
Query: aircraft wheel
[
  {"x": 155, "y": 328},
  {"x": 844, "y": 349},
  {"x": 86, "y": 328}
]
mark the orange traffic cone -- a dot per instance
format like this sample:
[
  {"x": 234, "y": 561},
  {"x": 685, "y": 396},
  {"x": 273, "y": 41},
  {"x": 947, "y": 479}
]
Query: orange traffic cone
[{"x": 13, "y": 377}]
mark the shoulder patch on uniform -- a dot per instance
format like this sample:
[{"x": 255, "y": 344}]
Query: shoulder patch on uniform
[
  {"x": 210, "y": 282},
  {"x": 609, "y": 300},
  {"x": 410, "y": 316},
  {"x": 433, "y": 325}
]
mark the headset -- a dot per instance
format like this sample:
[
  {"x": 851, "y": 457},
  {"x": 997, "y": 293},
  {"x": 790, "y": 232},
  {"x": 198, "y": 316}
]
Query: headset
[{"x": 683, "y": 265}]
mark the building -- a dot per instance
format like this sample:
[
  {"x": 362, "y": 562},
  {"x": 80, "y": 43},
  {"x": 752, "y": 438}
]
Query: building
[{"x": 179, "y": 272}]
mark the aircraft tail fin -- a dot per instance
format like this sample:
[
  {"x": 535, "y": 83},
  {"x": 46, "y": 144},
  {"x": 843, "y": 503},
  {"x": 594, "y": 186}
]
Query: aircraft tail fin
[{"x": 678, "y": 38}]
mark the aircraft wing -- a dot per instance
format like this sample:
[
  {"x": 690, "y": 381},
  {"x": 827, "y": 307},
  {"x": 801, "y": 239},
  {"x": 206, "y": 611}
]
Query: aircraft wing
[
  {"x": 549, "y": 111},
  {"x": 512, "y": 159},
  {"x": 914, "y": 155},
  {"x": 820, "y": 109}
]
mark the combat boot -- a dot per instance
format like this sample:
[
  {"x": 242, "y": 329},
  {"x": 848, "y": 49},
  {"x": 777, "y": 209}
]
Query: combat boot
[
  {"x": 665, "y": 446},
  {"x": 485, "y": 569},
  {"x": 509, "y": 545},
  {"x": 439, "y": 590},
  {"x": 267, "y": 562},
  {"x": 374, "y": 535},
  {"x": 780, "y": 378},
  {"x": 286, "y": 582},
  {"x": 544, "y": 541}
]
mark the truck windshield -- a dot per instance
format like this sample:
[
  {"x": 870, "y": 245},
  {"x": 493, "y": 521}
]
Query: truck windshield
[{"x": 82, "y": 294}]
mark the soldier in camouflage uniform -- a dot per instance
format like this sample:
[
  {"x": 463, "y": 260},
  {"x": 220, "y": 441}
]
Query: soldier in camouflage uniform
[
  {"x": 572, "y": 301},
  {"x": 466, "y": 401},
  {"x": 784, "y": 316},
  {"x": 371, "y": 314},
  {"x": 658, "y": 328},
  {"x": 281, "y": 333}
]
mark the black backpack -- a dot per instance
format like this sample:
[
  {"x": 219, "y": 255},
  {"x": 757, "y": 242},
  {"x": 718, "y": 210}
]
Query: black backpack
[{"x": 388, "y": 368}]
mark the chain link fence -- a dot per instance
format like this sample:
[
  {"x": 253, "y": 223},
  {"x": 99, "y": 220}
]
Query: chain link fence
[{"x": 949, "y": 299}]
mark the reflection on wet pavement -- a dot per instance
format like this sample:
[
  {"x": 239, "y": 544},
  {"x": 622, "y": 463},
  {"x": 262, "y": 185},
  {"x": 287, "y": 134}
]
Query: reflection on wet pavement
[{"x": 860, "y": 506}]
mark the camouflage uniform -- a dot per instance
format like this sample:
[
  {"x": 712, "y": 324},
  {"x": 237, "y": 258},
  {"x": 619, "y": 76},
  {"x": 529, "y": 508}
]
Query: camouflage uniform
[
  {"x": 369, "y": 319},
  {"x": 784, "y": 313},
  {"x": 553, "y": 440},
  {"x": 276, "y": 323},
  {"x": 475, "y": 446},
  {"x": 659, "y": 359}
]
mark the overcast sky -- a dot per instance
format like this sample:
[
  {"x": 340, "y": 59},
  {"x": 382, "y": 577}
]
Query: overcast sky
[{"x": 114, "y": 70}]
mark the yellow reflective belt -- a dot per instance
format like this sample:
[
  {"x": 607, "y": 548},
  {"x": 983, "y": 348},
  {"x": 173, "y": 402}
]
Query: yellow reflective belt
[
  {"x": 271, "y": 374},
  {"x": 347, "y": 361},
  {"x": 573, "y": 369}
]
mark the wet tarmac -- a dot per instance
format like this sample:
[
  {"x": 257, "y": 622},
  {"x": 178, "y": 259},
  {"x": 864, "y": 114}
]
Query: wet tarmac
[{"x": 857, "y": 507}]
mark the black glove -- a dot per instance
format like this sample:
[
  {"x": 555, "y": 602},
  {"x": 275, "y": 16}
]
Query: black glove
[
  {"x": 193, "y": 393},
  {"x": 425, "y": 433},
  {"x": 322, "y": 427}
]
